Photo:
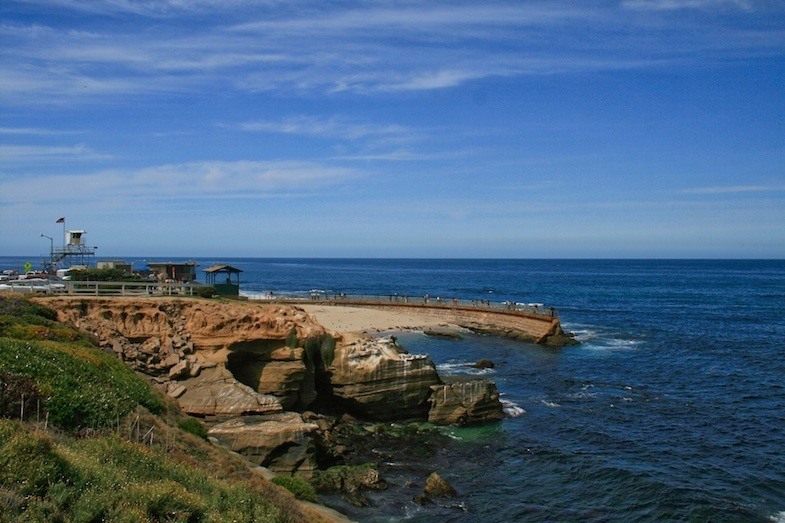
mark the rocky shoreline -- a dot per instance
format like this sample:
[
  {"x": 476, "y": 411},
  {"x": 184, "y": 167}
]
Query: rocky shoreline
[{"x": 275, "y": 386}]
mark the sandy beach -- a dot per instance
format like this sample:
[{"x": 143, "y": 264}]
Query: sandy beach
[{"x": 356, "y": 321}]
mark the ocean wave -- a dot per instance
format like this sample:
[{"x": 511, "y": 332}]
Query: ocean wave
[
  {"x": 550, "y": 404},
  {"x": 779, "y": 517},
  {"x": 583, "y": 393},
  {"x": 612, "y": 344},
  {"x": 597, "y": 338},
  {"x": 462, "y": 367},
  {"x": 511, "y": 409}
]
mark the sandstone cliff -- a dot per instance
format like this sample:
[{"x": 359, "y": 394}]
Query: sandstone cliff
[
  {"x": 378, "y": 379},
  {"x": 175, "y": 339}
]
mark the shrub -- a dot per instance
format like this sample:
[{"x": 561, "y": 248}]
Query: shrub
[
  {"x": 205, "y": 291},
  {"x": 193, "y": 426},
  {"x": 101, "y": 275},
  {"x": 16, "y": 306},
  {"x": 297, "y": 486}
]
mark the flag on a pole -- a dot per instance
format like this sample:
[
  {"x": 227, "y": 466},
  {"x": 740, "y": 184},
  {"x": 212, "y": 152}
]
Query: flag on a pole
[{"x": 61, "y": 220}]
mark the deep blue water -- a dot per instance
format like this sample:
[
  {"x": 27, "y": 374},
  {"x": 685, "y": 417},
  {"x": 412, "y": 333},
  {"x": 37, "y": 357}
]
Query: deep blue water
[{"x": 672, "y": 408}]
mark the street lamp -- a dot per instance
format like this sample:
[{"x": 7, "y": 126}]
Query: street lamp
[{"x": 51, "y": 252}]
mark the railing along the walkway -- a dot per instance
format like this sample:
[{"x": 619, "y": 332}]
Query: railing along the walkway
[
  {"x": 406, "y": 301},
  {"x": 101, "y": 288}
]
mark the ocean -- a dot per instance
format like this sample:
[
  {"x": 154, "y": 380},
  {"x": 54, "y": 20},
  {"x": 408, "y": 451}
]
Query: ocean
[{"x": 671, "y": 409}]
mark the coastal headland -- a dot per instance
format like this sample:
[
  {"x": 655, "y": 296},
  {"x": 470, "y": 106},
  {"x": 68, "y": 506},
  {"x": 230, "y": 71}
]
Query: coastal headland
[{"x": 288, "y": 387}]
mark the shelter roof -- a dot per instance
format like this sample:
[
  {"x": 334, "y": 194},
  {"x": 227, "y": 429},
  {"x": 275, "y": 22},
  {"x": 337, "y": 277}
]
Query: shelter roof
[{"x": 223, "y": 268}]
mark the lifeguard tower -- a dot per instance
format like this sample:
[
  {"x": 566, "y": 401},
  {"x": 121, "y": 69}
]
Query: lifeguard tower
[
  {"x": 74, "y": 251},
  {"x": 220, "y": 277}
]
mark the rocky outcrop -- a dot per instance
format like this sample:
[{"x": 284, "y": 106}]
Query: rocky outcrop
[
  {"x": 559, "y": 338},
  {"x": 436, "y": 486},
  {"x": 450, "y": 333},
  {"x": 350, "y": 481},
  {"x": 376, "y": 378},
  {"x": 282, "y": 442},
  {"x": 175, "y": 339},
  {"x": 216, "y": 393},
  {"x": 465, "y": 402}
]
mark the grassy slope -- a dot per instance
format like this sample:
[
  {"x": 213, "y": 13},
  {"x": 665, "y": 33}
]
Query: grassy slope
[{"x": 89, "y": 465}]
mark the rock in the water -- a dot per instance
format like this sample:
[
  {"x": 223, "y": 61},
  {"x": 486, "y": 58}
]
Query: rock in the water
[
  {"x": 436, "y": 486},
  {"x": 465, "y": 402},
  {"x": 215, "y": 392},
  {"x": 374, "y": 379},
  {"x": 450, "y": 333},
  {"x": 484, "y": 364},
  {"x": 282, "y": 442},
  {"x": 421, "y": 499}
]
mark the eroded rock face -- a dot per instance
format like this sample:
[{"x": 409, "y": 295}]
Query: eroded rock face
[
  {"x": 216, "y": 393},
  {"x": 465, "y": 402},
  {"x": 281, "y": 372},
  {"x": 282, "y": 442},
  {"x": 209, "y": 326},
  {"x": 176, "y": 339},
  {"x": 375, "y": 378}
]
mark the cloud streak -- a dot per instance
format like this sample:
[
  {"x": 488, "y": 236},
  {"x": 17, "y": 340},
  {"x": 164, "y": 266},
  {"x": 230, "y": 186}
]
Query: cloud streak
[
  {"x": 735, "y": 189},
  {"x": 385, "y": 48},
  {"x": 194, "y": 181}
]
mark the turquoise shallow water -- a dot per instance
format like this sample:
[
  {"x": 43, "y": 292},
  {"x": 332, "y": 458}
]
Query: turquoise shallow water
[{"x": 672, "y": 408}]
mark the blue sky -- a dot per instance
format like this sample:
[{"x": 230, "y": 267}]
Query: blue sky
[{"x": 627, "y": 128}]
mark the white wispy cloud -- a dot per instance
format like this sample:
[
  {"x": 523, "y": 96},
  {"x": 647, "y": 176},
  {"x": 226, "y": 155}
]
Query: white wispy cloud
[
  {"x": 382, "y": 47},
  {"x": 195, "y": 180},
  {"x": 13, "y": 154},
  {"x": 35, "y": 131},
  {"x": 670, "y": 5},
  {"x": 328, "y": 127},
  {"x": 732, "y": 189}
]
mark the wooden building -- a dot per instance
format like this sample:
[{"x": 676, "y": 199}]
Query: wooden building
[
  {"x": 220, "y": 277},
  {"x": 176, "y": 271}
]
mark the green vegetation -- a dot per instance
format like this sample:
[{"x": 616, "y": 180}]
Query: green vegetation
[
  {"x": 107, "y": 478},
  {"x": 24, "y": 320},
  {"x": 86, "y": 387},
  {"x": 205, "y": 291},
  {"x": 193, "y": 426},
  {"x": 347, "y": 477},
  {"x": 291, "y": 340},
  {"x": 112, "y": 451},
  {"x": 101, "y": 275},
  {"x": 297, "y": 486}
]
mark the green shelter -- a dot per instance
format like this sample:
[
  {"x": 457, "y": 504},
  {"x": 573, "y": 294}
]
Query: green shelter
[{"x": 221, "y": 276}]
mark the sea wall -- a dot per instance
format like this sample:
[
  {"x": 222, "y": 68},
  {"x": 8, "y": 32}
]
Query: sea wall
[{"x": 536, "y": 328}]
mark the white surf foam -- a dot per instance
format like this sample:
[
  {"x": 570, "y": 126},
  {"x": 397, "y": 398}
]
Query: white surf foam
[
  {"x": 779, "y": 517},
  {"x": 550, "y": 404},
  {"x": 511, "y": 409},
  {"x": 462, "y": 367},
  {"x": 612, "y": 344}
]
